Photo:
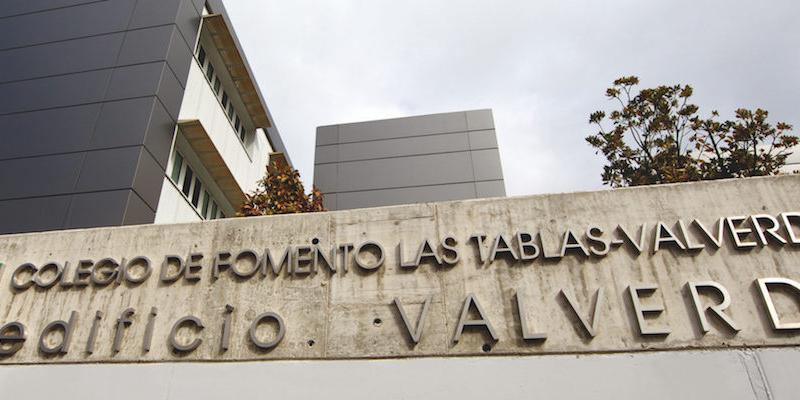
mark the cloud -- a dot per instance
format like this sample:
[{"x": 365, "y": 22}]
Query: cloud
[{"x": 542, "y": 66}]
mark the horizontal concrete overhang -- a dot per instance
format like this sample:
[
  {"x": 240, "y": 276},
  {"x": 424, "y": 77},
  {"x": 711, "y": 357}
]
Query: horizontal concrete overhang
[
  {"x": 237, "y": 68},
  {"x": 212, "y": 160}
]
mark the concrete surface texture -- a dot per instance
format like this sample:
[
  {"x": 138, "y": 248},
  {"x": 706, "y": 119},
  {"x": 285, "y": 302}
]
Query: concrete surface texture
[
  {"x": 353, "y": 314},
  {"x": 450, "y": 156}
]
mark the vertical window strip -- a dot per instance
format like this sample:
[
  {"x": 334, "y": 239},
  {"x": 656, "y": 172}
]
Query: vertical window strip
[
  {"x": 196, "y": 192},
  {"x": 213, "y": 214},
  {"x": 204, "y": 210},
  {"x": 177, "y": 165},
  {"x": 187, "y": 181}
]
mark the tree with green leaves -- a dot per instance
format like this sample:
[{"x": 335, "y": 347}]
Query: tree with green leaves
[
  {"x": 658, "y": 136},
  {"x": 281, "y": 192}
]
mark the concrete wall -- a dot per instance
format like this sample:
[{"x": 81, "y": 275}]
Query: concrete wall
[
  {"x": 89, "y": 97},
  {"x": 340, "y": 312},
  {"x": 437, "y": 157},
  {"x": 351, "y": 314}
]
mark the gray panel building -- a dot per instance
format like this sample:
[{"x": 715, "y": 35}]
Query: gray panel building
[
  {"x": 91, "y": 99},
  {"x": 450, "y": 156}
]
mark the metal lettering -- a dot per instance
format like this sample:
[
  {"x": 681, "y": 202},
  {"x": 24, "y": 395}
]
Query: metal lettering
[
  {"x": 83, "y": 272},
  {"x": 426, "y": 251},
  {"x": 66, "y": 327},
  {"x": 226, "y": 328},
  {"x": 142, "y": 261},
  {"x": 65, "y": 283},
  {"x": 303, "y": 260},
  {"x": 401, "y": 251},
  {"x": 221, "y": 263},
  {"x": 268, "y": 264},
  {"x": 527, "y": 333},
  {"x": 526, "y": 241},
  {"x": 774, "y": 317},
  {"x": 501, "y": 246},
  {"x": 329, "y": 262},
  {"x": 108, "y": 277},
  {"x": 415, "y": 334},
  {"x": 715, "y": 240},
  {"x": 148, "y": 331},
  {"x": 464, "y": 322},
  {"x": 638, "y": 247},
  {"x": 123, "y": 322},
  {"x": 687, "y": 239},
  {"x": 787, "y": 223},
  {"x": 479, "y": 238},
  {"x": 345, "y": 249},
  {"x": 635, "y": 292},
  {"x": 264, "y": 318},
  {"x": 718, "y": 310},
  {"x": 12, "y": 338},
  {"x": 90, "y": 342},
  {"x": 589, "y": 325},
  {"x": 450, "y": 254},
  {"x": 380, "y": 257},
  {"x": 46, "y": 284},
  {"x": 15, "y": 283},
  {"x": 571, "y": 242},
  {"x": 169, "y": 261},
  {"x": 664, "y": 235},
  {"x": 193, "y": 267},
  {"x": 772, "y": 230},
  {"x": 595, "y": 236},
  {"x": 243, "y": 255},
  {"x": 733, "y": 222},
  {"x": 173, "y": 334}
]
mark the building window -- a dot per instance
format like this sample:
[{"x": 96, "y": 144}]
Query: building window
[
  {"x": 217, "y": 85},
  {"x": 187, "y": 181},
  {"x": 193, "y": 189},
  {"x": 201, "y": 56},
  {"x": 227, "y": 104},
  {"x": 196, "y": 193},
  {"x": 206, "y": 198},
  {"x": 210, "y": 72},
  {"x": 213, "y": 214},
  {"x": 177, "y": 165}
]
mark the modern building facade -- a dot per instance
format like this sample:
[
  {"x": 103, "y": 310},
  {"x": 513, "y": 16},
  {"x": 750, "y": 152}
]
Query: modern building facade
[
  {"x": 124, "y": 112},
  {"x": 450, "y": 156}
]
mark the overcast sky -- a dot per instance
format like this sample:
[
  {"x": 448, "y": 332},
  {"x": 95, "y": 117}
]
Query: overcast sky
[{"x": 542, "y": 66}]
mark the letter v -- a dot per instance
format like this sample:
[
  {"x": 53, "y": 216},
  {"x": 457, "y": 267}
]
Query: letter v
[
  {"x": 415, "y": 334},
  {"x": 590, "y": 327}
]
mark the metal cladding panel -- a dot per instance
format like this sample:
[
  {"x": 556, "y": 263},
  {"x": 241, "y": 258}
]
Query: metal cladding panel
[
  {"x": 73, "y": 56},
  {"x": 438, "y": 157},
  {"x": 88, "y": 107},
  {"x": 32, "y": 214},
  {"x": 65, "y": 23},
  {"x": 74, "y": 131},
  {"x": 419, "y": 194},
  {"x": 18, "y": 7}
]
